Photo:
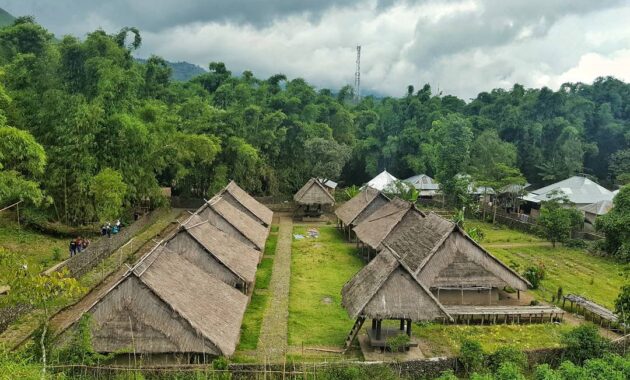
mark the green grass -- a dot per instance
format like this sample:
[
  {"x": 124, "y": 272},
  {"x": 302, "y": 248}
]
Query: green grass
[
  {"x": 263, "y": 273},
  {"x": 440, "y": 340},
  {"x": 34, "y": 247},
  {"x": 250, "y": 329},
  {"x": 319, "y": 268},
  {"x": 272, "y": 242},
  {"x": 577, "y": 271},
  {"x": 496, "y": 233},
  {"x": 275, "y": 228}
]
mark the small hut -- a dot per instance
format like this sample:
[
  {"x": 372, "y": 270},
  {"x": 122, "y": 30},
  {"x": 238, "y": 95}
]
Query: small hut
[
  {"x": 385, "y": 290},
  {"x": 164, "y": 306},
  {"x": 373, "y": 230},
  {"x": 216, "y": 252},
  {"x": 245, "y": 203},
  {"x": 314, "y": 196},
  {"x": 426, "y": 186},
  {"x": 229, "y": 219},
  {"x": 360, "y": 207},
  {"x": 456, "y": 268}
]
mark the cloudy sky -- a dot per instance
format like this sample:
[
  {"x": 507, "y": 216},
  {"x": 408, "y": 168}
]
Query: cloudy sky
[{"x": 461, "y": 47}]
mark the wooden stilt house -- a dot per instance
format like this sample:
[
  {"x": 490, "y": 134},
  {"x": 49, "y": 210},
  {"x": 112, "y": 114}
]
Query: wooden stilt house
[
  {"x": 313, "y": 197},
  {"x": 245, "y": 203},
  {"x": 386, "y": 290},
  {"x": 229, "y": 219},
  {"x": 164, "y": 306},
  {"x": 360, "y": 207},
  {"x": 216, "y": 252}
]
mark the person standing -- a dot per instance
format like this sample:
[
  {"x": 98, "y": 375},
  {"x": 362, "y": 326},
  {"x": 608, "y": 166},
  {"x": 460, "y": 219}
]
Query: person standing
[{"x": 73, "y": 248}]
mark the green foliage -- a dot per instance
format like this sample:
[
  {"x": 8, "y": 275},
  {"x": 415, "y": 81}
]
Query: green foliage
[
  {"x": 509, "y": 371},
  {"x": 108, "y": 190},
  {"x": 616, "y": 226},
  {"x": 471, "y": 356},
  {"x": 584, "y": 342},
  {"x": 79, "y": 349},
  {"x": 507, "y": 354},
  {"x": 558, "y": 218},
  {"x": 448, "y": 375},
  {"x": 398, "y": 342},
  {"x": 476, "y": 234},
  {"x": 326, "y": 158},
  {"x": 535, "y": 274},
  {"x": 622, "y": 304}
]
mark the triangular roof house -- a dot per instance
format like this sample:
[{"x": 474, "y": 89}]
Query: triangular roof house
[
  {"x": 216, "y": 252},
  {"x": 375, "y": 228},
  {"x": 229, "y": 219},
  {"x": 426, "y": 186},
  {"x": 361, "y": 206},
  {"x": 164, "y": 305},
  {"x": 313, "y": 193},
  {"x": 385, "y": 289},
  {"x": 580, "y": 190},
  {"x": 384, "y": 181},
  {"x": 240, "y": 199}
]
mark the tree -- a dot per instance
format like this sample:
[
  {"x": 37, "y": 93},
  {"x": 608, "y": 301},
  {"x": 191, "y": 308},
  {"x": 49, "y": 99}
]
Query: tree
[
  {"x": 325, "y": 157},
  {"x": 584, "y": 342},
  {"x": 40, "y": 291},
  {"x": 619, "y": 165},
  {"x": 108, "y": 190},
  {"x": 558, "y": 218},
  {"x": 450, "y": 137},
  {"x": 622, "y": 304},
  {"x": 616, "y": 226}
]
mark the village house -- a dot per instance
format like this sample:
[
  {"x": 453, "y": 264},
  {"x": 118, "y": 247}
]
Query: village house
[
  {"x": 313, "y": 196},
  {"x": 358, "y": 208},
  {"x": 245, "y": 203}
]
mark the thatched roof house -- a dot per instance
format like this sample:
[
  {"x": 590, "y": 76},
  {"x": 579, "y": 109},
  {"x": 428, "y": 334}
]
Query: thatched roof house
[
  {"x": 164, "y": 305},
  {"x": 360, "y": 207},
  {"x": 240, "y": 199},
  {"x": 313, "y": 193},
  {"x": 229, "y": 219},
  {"x": 375, "y": 228},
  {"x": 385, "y": 289},
  {"x": 216, "y": 252},
  {"x": 443, "y": 257}
]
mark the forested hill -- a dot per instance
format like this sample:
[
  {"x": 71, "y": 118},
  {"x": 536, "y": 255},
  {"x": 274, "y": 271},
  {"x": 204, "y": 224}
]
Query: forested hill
[
  {"x": 5, "y": 18},
  {"x": 181, "y": 71},
  {"x": 115, "y": 130}
]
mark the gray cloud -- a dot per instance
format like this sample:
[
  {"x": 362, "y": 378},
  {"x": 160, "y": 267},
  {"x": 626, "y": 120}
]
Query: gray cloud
[{"x": 461, "y": 46}]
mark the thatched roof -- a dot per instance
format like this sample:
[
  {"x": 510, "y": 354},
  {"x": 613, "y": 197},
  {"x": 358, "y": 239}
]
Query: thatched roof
[
  {"x": 440, "y": 253},
  {"x": 313, "y": 193},
  {"x": 349, "y": 212},
  {"x": 235, "y": 255},
  {"x": 190, "y": 310},
  {"x": 232, "y": 192},
  {"x": 385, "y": 289},
  {"x": 253, "y": 232},
  {"x": 374, "y": 229}
]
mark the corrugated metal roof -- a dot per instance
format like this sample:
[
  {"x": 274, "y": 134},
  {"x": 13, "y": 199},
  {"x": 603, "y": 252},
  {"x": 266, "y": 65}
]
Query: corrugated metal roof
[
  {"x": 579, "y": 190},
  {"x": 382, "y": 181}
]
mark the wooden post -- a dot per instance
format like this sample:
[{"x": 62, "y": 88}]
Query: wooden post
[
  {"x": 518, "y": 294},
  {"x": 373, "y": 324},
  {"x": 378, "y": 329},
  {"x": 409, "y": 327},
  {"x": 402, "y": 324}
]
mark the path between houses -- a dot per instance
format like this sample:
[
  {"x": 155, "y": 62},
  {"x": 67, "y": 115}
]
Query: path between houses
[{"x": 273, "y": 339}]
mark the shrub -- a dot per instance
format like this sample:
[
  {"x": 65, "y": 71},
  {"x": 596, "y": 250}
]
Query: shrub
[
  {"x": 56, "y": 255},
  {"x": 576, "y": 243},
  {"x": 398, "y": 342},
  {"x": 584, "y": 342},
  {"x": 622, "y": 304},
  {"x": 447, "y": 375},
  {"x": 507, "y": 354},
  {"x": 545, "y": 372},
  {"x": 509, "y": 371},
  {"x": 535, "y": 274},
  {"x": 471, "y": 356},
  {"x": 220, "y": 363}
]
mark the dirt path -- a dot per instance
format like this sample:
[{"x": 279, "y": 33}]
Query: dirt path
[{"x": 273, "y": 342}]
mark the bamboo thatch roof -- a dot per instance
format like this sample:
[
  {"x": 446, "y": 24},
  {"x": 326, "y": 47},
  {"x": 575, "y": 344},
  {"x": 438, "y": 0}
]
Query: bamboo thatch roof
[
  {"x": 165, "y": 305},
  {"x": 238, "y": 257},
  {"x": 246, "y": 203},
  {"x": 251, "y": 231},
  {"x": 385, "y": 289},
  {"x": 375, "y": 228},
  {"x": 440, "y": 254},
  {"x": 313, "y": 193},
  {"x": 358, "y": 208}
]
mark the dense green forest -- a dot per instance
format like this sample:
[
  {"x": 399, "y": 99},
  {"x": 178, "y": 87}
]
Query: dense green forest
[{"x": 113, "y": 129}]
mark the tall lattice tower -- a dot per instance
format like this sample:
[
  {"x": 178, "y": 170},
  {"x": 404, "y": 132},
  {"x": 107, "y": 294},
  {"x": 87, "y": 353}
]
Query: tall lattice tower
[{"x": 357, "y": 76}]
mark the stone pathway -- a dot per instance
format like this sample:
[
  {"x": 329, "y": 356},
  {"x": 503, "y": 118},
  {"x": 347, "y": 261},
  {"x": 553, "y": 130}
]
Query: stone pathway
[{"x": 273, "y": 343}]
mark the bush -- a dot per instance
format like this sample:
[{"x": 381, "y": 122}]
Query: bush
[
  {"x": 622, "y": 304},
  {"x": 448, "y": 375},
  {"x": 398, "y": 342},
  {"x": 220, "y": 363},
  {"x": 576, "y": 243},
  {"x": 545, "y": 372},
  {"x": 509, "y": 371},
  {"x": 471, "y": 356},
  {"x": 584, "y": 342},
  {"x": 507, "y": 354},
  {"x": 535, "y": 274}
]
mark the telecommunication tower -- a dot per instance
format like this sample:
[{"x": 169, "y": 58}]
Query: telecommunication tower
[{"x": 357, "y": 76}]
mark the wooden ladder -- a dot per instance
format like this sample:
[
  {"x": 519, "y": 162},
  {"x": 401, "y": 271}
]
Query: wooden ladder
[{"x": 353, "y": 333}]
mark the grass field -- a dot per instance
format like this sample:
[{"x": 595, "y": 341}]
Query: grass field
[
  {"x": 252, "y": 320},
  {"x": 38, "y": 250},
  {"x": 319, "y": 269},
  {"x": 501, "y": 234},
  {"x": 441, "y": 340}
]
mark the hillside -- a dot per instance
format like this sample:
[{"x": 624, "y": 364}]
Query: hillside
[
  {"x": 182, "y": 71},
  {"x": 5, "y": 18}
]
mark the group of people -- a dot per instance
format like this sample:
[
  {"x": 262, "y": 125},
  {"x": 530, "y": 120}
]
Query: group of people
[
  {"x": 77, "y": 245},
  {"x": 108, "y": 229}
]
